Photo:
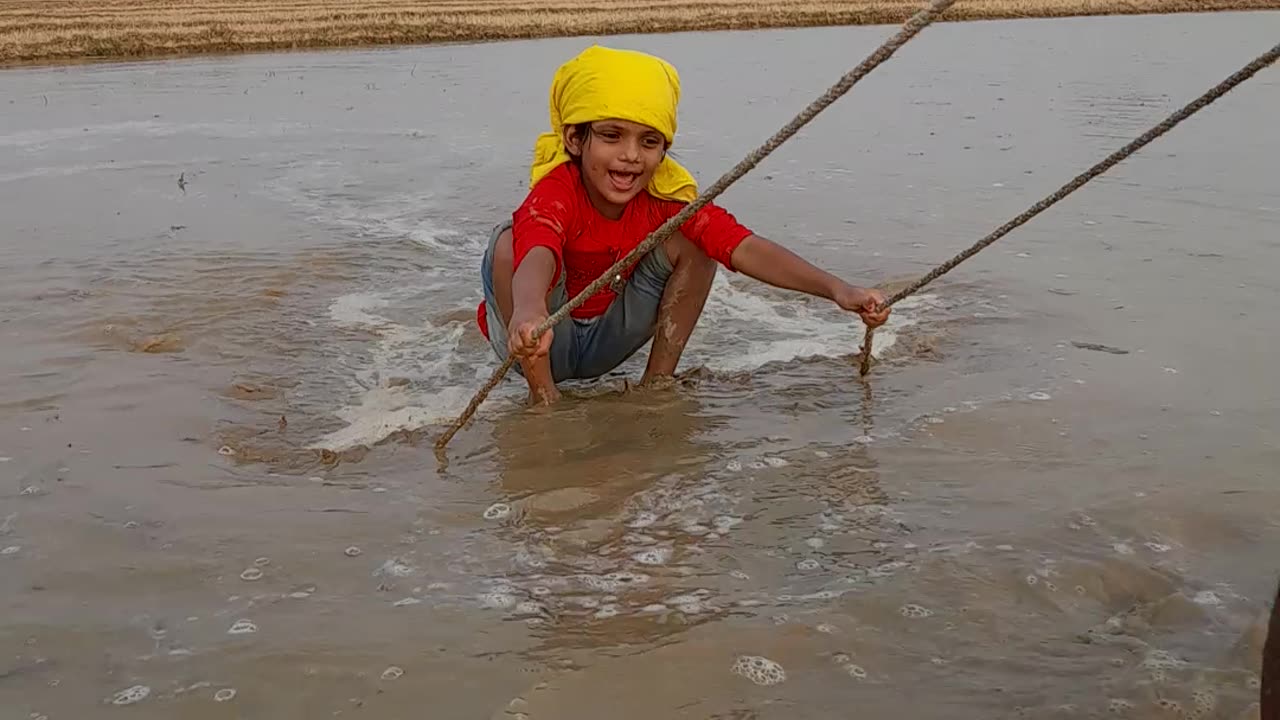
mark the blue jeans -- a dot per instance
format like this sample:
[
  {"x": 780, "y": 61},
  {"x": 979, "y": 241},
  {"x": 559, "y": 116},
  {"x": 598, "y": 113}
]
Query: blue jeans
[{"x": 584, "y": 349}]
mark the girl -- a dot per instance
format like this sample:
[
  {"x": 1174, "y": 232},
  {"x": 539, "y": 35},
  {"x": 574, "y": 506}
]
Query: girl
[{"x": 601, "y": 182}]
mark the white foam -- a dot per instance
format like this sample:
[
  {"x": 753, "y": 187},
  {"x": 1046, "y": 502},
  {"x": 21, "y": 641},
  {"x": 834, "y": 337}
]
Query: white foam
[
  {"x": 386, "y": 216},
  {"x": 352, "y": 310},
  {"x": 426, "y": 353},
  {"x": 759, "y": 670},
  {"x": 131, "y": 695},
  {"x": 742, "y": 329}
]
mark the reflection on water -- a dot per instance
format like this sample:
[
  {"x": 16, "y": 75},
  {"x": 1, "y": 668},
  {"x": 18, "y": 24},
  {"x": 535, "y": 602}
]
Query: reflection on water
[{"x": 1054, "y": 498}]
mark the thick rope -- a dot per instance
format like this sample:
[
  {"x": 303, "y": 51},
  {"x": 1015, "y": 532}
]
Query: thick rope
[
  {"x": 1195, "y": 106},
  {"x": 910, "y": 29}
]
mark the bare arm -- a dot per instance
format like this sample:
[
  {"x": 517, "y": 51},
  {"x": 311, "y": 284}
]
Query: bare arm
[
  {"x": 531, "y": 281},
  {"x": 529, "y": 287},
  {"x": 771, "y": 263}
]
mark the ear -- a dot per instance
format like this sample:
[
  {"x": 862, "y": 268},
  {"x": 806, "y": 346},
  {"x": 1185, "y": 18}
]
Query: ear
[{"x": 572, "y": 141}]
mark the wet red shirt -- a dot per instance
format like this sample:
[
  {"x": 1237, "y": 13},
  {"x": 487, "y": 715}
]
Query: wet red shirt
[{"x": 558, "y": 215}]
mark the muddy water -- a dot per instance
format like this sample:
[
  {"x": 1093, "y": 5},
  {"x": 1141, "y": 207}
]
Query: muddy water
[{"x": 1057, "y": 498}]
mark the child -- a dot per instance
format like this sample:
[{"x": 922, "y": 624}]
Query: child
[{"x": 601, "y": 182}]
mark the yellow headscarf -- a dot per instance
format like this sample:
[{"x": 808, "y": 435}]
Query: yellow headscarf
[{"x": 603, "y": 83}]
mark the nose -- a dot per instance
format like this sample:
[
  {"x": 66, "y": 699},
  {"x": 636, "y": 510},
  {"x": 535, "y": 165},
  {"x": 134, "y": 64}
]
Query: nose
[{"x": 631, "y": 150}]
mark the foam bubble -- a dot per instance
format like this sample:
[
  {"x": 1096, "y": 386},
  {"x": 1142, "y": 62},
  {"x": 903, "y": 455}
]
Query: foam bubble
[
  {"x": 1157, "y": 547},
  {"x": 725, "y": 523},
  {"x": 262, "y": 562},
  {"x": 607, "y": 611},
  {"x": 738, "y": 574},
  {"x": 914, "y": 611},
  {"x": 1207, "y": 597},
  {"x": 131, "y": 695},
  {"x": 1204, "y": 700},
  {"x": 406, "y": 602},
  {"x": 1118, "y": 706},
  {"x": 734, "y": 466},
  {"x": 251, "y": 574},
  {"x": 815, "y": 542},
  {"x": 529, "y": 607},
  {"x": 694, "y": 607},
  {"x": 1162, "y": 659},
  {"x": 855, "y": 671},
  {"x": 352, "y": 551},
  {"x": 224, "y": 695},
  {"x": 1123, "y": 548},
  {"x": 643, "y": 520},
  {"x": 392, "y": 673},
  {"x": 497, "y": 511},
  {"x": 242, "y": 627},
  {"x": 395, "y": 567},
  {"x": 654, "y": 556},
  {"x": 1040, "y": 396},
  {"x": 759, "y": 670},
  {"x": 776, "y": 462},
  {"x": 498, "y": 600},
  {"x": 808, "y": 564},
  {"x": 10, "y": 550}
]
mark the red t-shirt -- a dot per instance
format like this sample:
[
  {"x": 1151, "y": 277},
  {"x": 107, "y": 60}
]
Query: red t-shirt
[{"x": 558, "y": 215}]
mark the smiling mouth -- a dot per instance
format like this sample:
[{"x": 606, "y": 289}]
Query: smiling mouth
[{"x": 623, "y": 181}]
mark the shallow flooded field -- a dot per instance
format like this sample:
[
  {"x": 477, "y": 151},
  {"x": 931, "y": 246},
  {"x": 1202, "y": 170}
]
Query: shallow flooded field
[{"x": 1056, "y": 499}]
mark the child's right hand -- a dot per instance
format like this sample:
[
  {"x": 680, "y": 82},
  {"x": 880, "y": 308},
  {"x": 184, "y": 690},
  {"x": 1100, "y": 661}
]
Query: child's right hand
[{"x": 520, "y": 331}]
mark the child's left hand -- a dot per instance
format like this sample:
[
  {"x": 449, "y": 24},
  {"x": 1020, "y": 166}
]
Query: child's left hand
[{"x": 867, "y": 302}]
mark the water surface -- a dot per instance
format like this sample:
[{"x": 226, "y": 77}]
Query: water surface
[{"x": 219, "y": 397}]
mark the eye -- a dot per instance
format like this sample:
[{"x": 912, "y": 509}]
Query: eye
[
  {"x": 651, "y": 141},
  {"x": 610, "y": 135}
]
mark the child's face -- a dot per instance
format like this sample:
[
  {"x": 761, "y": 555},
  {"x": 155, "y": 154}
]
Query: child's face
[{"x": 618, "y": 160}]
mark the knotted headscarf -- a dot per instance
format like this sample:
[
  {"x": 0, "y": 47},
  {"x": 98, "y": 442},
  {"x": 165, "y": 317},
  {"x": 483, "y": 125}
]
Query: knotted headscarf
[{"x": 604, "y": 83}]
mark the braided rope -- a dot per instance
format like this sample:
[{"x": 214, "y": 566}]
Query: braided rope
[
  {"x": 909, "y": 30},
  {"x": 1168, "y": 124}
]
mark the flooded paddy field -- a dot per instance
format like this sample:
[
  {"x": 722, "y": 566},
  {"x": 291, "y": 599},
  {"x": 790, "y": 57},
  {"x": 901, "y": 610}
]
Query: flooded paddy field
[{"x": 1057, "y": 498}]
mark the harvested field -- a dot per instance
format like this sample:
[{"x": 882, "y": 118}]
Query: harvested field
[{"x": 53, "y": 30}]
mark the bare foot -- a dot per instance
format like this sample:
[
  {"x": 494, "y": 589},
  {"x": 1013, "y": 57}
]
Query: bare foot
[
  {"x": 543, "y": 396},
  {"x": 656, "y": 382}
]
